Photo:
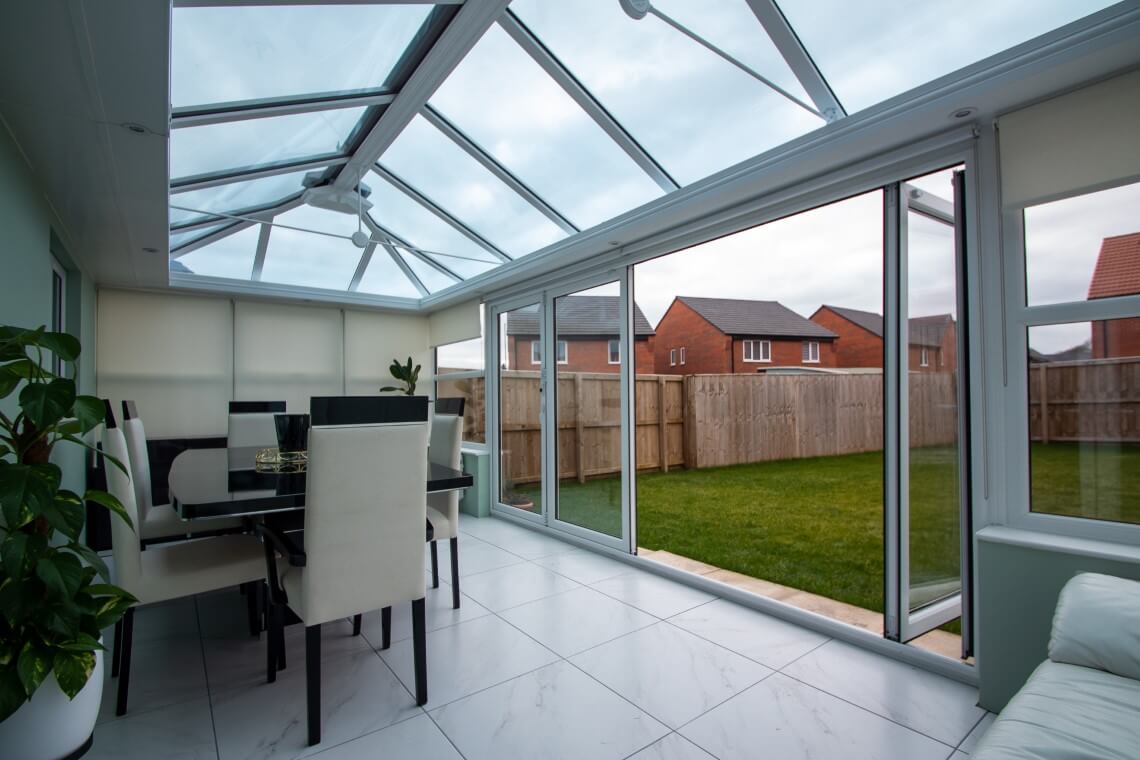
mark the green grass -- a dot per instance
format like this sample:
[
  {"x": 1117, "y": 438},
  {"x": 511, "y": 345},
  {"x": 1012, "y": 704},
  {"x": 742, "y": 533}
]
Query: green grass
[{"x": 817, "y": 524}]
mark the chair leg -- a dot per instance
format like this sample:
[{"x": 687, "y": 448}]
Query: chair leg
[
  {"x": 434, "y": 566},
  {"x": 455, "y": 572},
  {"x": 271, "y": 647},
  {"x": 279, "y": 626},
  {"x": 385, "y": 627},
  {"x": 125, "y": 662},
  {"x": 313, "y": 681},
  {"x": 356, "y": 621},
  {"x": 117, "y": 654},
  {"x": 419, "y": 644}
]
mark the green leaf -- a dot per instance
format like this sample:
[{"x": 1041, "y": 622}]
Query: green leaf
[
  {"x": 14, "y": 549},
  {"x": 32, "y": 667},
  {"x": 84, "y": 642},
  {"x": 12, "y": 694},
  {"x": 390, "y": 388},
  {"x": 113, "y": 608},
  {"x": 62, "y": 573},
  {"x": 88, "y": 411},
  {"x": 92, "y": 558},
  {"x": 26, "y": 491},
  {"x": 111, "y": 503},
  {"x": 66, "y": 514},
  {"x": 46, "y": 403},
  {"x": 62, "y": 345},
  {"x": 8, "y": 382},
  {"x": 72, "y": 669}
]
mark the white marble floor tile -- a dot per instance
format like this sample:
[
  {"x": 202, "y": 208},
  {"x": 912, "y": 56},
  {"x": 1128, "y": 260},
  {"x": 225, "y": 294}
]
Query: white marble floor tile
[
  {"x": 417, "y": 738},
  {"x": 163, "y": 672},
  {"x": 576, "y": 620},
  {"x": 526, "y": 543},
  {"x": 223, "y": 615},
  {"x": 977, "y": 733},
  {"x": 475, "y": 556},
  {"x": 359, "y": 695},
  {"x": 438, "y": 614},
  {"x": 943, "y": 709},
  {"x": 768, "y": 640},
  {"x": 781, "y": 718},
  {"x": 671, "y": 674},
  {"x": 511, "y": 586},
  {"x": 652, "y": 593},
  {"x": 672, "y": 747},
  {"x": 958, "y": 755},
  {"x": 179, "y": 732},
  {"x": 554, "y": 712},
  {"x": 583, "y": 565},
  {"x": 176, "y": 619},
  {"x": 467, "y": 657}
]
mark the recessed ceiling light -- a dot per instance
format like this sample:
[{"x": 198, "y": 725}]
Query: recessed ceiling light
[
  {"x": 135, "y": 127},
  {"x": 615, "y": 242},
  {"x": 963, "y": 113},
  {"x": 150, "y": 249}
]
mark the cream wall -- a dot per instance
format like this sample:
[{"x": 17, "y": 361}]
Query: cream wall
[{"x": 182, "y": 358}]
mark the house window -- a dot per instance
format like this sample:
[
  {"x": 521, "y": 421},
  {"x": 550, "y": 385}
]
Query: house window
[
  {"x": 57, "y": 298},
  {"x": 682, "y": 354},
  {"x": 672, "y": 357},
  {"x": 757, "y": 350},
  {"x": 536, "y": 352},
  {"x": 615, "y": 352},
  {"x": 924, "y": 358},
  {"x": 811, "y": 352}
]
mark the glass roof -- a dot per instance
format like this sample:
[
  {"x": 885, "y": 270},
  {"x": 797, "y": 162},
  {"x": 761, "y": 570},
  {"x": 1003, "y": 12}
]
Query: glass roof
[{"x": 561, "y": 116}]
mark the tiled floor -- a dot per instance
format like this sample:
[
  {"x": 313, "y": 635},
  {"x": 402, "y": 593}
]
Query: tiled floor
[{"x": 555, "y": 653}]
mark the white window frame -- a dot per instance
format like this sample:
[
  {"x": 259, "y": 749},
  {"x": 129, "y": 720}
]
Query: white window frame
[
  {"x": 562, "y": 348},
  {"x": 765, "y": 346},
  {"x": 59, "y": 309},
  {"x": 536, "y": 352},
  {"x": 812, "y": 346},
  {"x": 613, "y": 346},
  {"x": 672, "y": 357},
  {"x": 682, "y": 355},
  {"x": 923, "y": 357}
]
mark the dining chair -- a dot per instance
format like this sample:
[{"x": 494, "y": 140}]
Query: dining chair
[
  {"x": 251, "y": 423},
  {"x": 165, "y": 572},
  {"x": 362, "y": 546},
  {"x": 443, "y": 508},
  {"x": 159, "y": 523}
]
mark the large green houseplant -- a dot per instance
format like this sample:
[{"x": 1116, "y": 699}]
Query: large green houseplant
[{"x": 55, "y": 595}]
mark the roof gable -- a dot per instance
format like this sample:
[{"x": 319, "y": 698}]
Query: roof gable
[
  {"x": 1117, "y": 271},
  {"x": 769, "y": 318},
  {"x": 922, "y": 331},
  {"x": 579, "y": 315}
]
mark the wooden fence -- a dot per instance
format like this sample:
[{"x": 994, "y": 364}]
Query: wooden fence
[
  {"x": 705, "y": 420},
  {"x": 1093, "y": 400}
]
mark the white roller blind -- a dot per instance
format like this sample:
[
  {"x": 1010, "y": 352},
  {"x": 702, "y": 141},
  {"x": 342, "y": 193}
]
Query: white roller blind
[
  {"x": 1085, "y": 140},
  {"x": 172, "y": 355},
  {"x": 284, "y": 352},
  {"x": 372, "y": 340},
  {"x": 455, "y": 323}
]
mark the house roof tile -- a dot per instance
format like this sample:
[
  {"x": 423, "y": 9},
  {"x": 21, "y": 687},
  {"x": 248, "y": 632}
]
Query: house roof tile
[
  {"x": 768, "y": 318},
  {"x": 923, "y": 331},
  {"x": 579, "y": 315},
  {"x": 1117, "y": 271}
]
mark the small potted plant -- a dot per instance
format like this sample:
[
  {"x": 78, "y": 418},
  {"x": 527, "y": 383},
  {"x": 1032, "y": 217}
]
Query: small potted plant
[
  {"x": 55, "y": 595},
  {"x": 406, "y": 374}
]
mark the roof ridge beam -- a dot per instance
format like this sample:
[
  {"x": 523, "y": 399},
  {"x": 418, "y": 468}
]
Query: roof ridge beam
[
  {"x": 220, "y": 113},
  {"x": 214, "y": 179}
]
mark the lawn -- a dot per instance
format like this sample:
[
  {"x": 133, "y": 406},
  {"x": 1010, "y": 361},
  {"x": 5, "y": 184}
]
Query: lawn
[{"x": 817, "y": 524}]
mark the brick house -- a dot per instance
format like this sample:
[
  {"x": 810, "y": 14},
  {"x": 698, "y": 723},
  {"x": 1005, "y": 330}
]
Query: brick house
[
  {"x": 725, "y": 335},
  {"x": 588, "y": 329},
  {"x": 933, "y": 339},
  {"x": 1117, "y": 273}
]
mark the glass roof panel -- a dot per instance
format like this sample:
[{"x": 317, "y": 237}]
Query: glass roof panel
[
  {"x": 182, "y": 238},
  {"x": 231, "y": 256},
  {"x": 432, "y": 279},
  {"x": 871, "y": 51},
  {"x": 430, "y": 162},
  {"x": 236, "y": 196},
  {"x": 384, "y": 278},
  {"x": 310, "y": 259},
  {"x": 505, "y": 102},
  {"x": 224, "y": 54},
  {"x": 254, "y": 142},
  {"x": 690, "y": 109}
]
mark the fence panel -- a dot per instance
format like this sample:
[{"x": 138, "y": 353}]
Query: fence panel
[{"x": 1091, "y": 400}]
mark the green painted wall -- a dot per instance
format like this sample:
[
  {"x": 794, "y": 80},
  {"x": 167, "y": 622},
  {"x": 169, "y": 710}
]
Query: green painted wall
[{"x": 26, "y": 249}]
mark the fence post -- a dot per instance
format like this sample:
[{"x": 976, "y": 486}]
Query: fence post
[
  {"x": 578, "y": 427},
  {"x": 662, "y": 425},
  {"x": 1043, "y": 390}
]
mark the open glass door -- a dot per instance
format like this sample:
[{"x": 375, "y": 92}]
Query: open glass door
[{"x": 518, "y": 413}]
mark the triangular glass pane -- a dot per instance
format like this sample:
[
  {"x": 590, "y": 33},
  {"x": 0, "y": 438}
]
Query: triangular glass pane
[
  {"x": 384, "y": 278},
  {"x": 235, "y": 53},
  {"x": 499, "y": 97},
  {"x": 308, "y": 258},
  {"x": 871, "y": 51},
  {"x": 398, "y": 213},
  {"x": 427, "y": 160},
  {"x": 235, "y": 196},
  {"x": 689, "y": 108},
  {"x": 432, "y": 279},
  {"x": 231, "y": 256},
  {"x": 235, "y": 145},
  {"x": 179, "y": 239}
]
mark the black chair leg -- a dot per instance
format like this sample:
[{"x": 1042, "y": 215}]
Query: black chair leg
[
  {"x": 313, "y": 681},
  {"x": 117, "y": 654},
  {"x": 356, "y": 621},
  {"x": 419, "y": 644},
  {"x": 279, "y": 626},
  {"x": 385, "y": 627},
  {"x": 270, "y": 646},
  {"x": 434, "y": 566},
  {"x": 125, "y": 662},
  {"x": 455, "y": 572}
]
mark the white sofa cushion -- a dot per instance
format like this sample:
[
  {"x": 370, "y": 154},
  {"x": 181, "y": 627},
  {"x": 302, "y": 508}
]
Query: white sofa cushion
[
  {"x": 1097, "y": 625},
  {"x": 1067, "y": 711}
]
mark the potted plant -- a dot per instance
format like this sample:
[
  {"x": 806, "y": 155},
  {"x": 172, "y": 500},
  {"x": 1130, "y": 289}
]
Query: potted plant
[
  {"x": 55, "y": 595},
  {"x": 405, "y": 374}
]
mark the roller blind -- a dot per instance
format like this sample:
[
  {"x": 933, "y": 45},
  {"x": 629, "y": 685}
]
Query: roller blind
[
  {"x": 373, "y": 340},
  {"x": 455, "y": 323},
  {"x": 284, "y": 352},
  {"x": 172, "y": 355},
  {"x": 1082, "y": 141}
]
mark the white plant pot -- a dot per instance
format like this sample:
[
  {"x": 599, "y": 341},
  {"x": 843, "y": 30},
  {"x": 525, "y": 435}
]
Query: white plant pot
[{"x": 50, "y": 726}]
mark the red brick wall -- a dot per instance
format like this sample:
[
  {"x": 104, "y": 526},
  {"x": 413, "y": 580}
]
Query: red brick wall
[
  {"x": 583, "y": 354},
  {"x": 1116, "y": 338},
  {"x": 943, "y": 358},
  {"x": 855, "y": 346},
  {"x": 786, "y": 352},
  {"x": 707, "y": 349}
]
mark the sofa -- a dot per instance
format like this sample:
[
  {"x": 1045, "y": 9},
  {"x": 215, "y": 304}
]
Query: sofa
[{"x": 1084, "y": 700}]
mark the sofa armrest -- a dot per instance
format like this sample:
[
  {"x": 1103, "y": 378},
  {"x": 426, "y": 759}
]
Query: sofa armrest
[{"x": 1097, "y": 624}]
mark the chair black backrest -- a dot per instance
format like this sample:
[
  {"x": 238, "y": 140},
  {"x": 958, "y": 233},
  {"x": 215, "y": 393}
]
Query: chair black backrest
[
  {"x": 450, "y": 405},
  {"x": 367, "y": 410},
  {"x": 256, "y": 407}
]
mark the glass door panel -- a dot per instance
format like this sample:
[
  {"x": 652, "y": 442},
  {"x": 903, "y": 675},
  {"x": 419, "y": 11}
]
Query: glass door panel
[{"x": 520, "y": 409}]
